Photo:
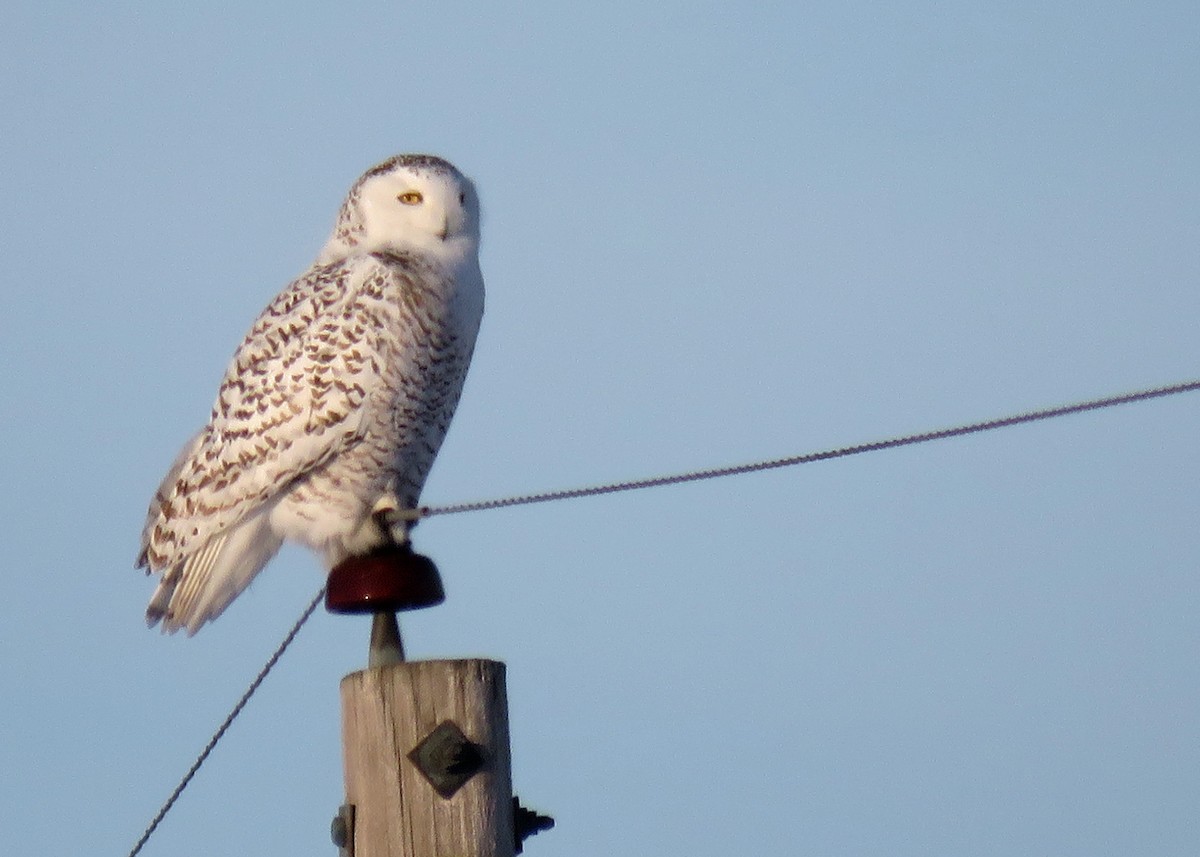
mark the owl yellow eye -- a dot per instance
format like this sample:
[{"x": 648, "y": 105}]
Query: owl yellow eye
[{"x": 411, "y": 197}]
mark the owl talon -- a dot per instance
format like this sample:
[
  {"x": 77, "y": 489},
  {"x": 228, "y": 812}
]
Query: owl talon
[{"x": 389, "y": 517}]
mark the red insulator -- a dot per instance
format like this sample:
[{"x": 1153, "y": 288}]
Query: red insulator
[{"x": 389, "y": 579}]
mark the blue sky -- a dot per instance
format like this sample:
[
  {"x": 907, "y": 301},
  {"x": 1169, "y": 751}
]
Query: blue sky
[{"x": 712, "y": 233}]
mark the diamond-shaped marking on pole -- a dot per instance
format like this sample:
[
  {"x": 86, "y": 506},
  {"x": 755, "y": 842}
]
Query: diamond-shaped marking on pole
[{"x": 447, "y": 758}]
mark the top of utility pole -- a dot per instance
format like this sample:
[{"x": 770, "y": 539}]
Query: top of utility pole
[{"x": 425, "y": 744}]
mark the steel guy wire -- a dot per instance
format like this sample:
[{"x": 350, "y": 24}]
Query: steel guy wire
[
  {"x": 224, "y": 727},
  {"x": 654, "y": 482},
  {"x": 807, "y": 458}
]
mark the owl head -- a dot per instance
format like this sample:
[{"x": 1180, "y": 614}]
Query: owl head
[{"x": 408, "y": 202}]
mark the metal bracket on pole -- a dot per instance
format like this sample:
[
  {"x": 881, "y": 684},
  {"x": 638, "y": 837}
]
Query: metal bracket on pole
[{"x": 341, "y": 831}]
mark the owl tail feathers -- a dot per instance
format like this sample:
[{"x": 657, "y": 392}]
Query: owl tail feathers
[{"x": 200, "y": 588}]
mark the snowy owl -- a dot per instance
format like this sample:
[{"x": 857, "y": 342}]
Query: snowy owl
[{"x": 330, "y": 415}]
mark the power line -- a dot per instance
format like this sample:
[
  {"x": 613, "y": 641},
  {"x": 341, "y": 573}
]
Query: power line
[
  {"x": 808, "y": 458},
  {"x": 653, "y": 482},
  {"x": 224, "y": 727}
]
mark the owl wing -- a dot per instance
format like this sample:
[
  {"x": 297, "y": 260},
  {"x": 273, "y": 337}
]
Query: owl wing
[{"x": 291, "y": 399}]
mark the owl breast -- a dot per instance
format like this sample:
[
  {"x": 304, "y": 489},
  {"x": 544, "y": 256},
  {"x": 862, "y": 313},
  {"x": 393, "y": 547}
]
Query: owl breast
[{"x": 399, "y": 348}]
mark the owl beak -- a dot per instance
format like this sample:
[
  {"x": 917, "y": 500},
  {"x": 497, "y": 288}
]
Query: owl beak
[{"x": 445, "y": 230}]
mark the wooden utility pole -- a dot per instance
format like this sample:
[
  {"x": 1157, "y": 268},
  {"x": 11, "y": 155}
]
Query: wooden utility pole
[
  {"x": 426, "y": 756},
  {"x": 425, "y": 743}
]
